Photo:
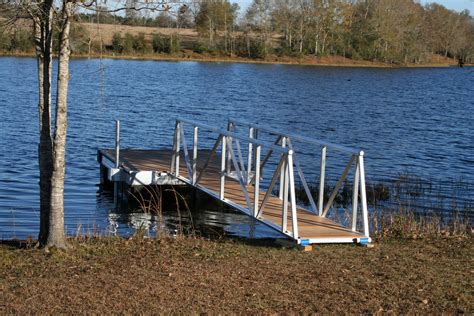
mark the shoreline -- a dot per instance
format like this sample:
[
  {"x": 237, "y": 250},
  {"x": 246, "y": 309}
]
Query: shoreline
[{"x": 289, "y": 61}]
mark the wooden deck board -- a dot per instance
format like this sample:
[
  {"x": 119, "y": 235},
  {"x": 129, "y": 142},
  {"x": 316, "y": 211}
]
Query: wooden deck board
[{"x": 310, "y": 226}]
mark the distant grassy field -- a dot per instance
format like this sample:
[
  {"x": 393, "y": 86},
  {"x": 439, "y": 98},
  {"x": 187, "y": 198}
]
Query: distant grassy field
[
  {"x": 106, "y": 31},
  {"x": 148, "y": 276}
]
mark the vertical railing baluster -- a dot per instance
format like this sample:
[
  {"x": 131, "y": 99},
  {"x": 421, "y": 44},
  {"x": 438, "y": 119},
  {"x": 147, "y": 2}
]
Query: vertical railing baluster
[
  {"x": 178, "y": 147},
  {"x": 255, "y": 136},
  {"x": 223, "y": 167},
  {"x": 195, "y": 153},
  {"x": 250, "y": 155},
  {"x": 117, "y": 159},
  {"x": 294, "y": 216},
  {"x": 257, "y": 180},
  {"x": 284, "y": 225},
  {"x": 363, "y": 194},
  {"x": 322, "y": 176},
  {"x": 282, "y": 176},
  {"x": 173, "y": 154},
  {"x": 355, "y": 196},
  {"x": 117, "y": 144},
  {"x": 230, "y": 128}
]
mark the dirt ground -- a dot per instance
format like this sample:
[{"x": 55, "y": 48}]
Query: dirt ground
[{"x": 164, "y": 275}]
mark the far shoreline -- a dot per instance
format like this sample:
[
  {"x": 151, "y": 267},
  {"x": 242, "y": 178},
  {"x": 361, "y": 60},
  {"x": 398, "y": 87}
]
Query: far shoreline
[{"x": 288, "y": 61}]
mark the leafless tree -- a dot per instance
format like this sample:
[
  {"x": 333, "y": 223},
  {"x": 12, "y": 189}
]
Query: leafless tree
[{"x": 44, "y": 17}]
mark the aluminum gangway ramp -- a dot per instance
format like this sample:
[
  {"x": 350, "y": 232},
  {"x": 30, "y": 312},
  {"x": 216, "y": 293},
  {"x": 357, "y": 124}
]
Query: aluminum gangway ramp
[{"x": 233, "y": 174}]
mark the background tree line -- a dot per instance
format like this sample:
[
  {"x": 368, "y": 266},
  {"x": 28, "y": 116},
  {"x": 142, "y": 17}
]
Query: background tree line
[
  {"x": 395, "y": 31},
  {"x": 392, "y": 31}
]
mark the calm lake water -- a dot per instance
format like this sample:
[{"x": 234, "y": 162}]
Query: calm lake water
[{"x": 417, "y": 121}]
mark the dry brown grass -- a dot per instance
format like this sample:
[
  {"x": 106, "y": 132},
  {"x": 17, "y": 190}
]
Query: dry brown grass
[
  {"x": 106, "y": 31},
  {"x": 183, "y": 275}
]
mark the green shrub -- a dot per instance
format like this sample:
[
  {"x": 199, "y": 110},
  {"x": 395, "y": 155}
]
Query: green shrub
[
  {"x": 5, "y": 42},
  {"x": 128, "y": 42},
  {"x": 250, "y": 47},
  {"x": 117, "y": 43},
  {"x": 200, "y": 48},
  {"x": 139, "y": 43},
  {"x": 80, "y": 39},
  {"x": 158, "y": 43},
  {"x": 166, "y": 44},
  {"x": 258, "y": 49},
  {"x": 175, "y": 44},
  {"x": 21, "y": 41}
]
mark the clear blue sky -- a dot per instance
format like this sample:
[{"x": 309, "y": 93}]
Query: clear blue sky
[{"x": 457, "y": 5}]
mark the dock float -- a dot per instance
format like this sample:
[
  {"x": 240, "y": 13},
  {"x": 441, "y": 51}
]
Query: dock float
[{"x": 233, "y": 176}]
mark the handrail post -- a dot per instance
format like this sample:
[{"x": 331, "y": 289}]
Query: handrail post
[
  {"x": 177, "y": 148},
  {"x": 257, "y": 180},
  {"x": 284, "y": 225},
  {"x": 195, "y": 153},
  {"x": 321, "y": 180},
  {"x": 355, "y": 196},
  {"x": 230, "y": 127},
  {"x": 282, "y": 176},
  {"x": 117, "y": 159},
  {"x": 250, "y": 154},
  {"x": 223, "y": 167},
  {"x": 363, "y": 195},
  {"x": 173, "y": 154},
  {"x": 255, "y": 136},
  {"x": 117, "y": 144},
  {"x": 294, "y": 216}
]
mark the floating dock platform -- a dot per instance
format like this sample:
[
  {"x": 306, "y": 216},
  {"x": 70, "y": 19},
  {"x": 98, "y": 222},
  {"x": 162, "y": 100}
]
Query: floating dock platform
[{"x": 233, "y": 176}]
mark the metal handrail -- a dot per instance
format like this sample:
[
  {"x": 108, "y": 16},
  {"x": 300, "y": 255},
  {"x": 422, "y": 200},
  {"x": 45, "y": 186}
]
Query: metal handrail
[
  {"x": 285, "y": 169},
  {"x": 226, "y": 140},
  {"x": 357, "y": 158},
  {"x": 305, "y": 139},
  {"x": 227, "y": 133}
]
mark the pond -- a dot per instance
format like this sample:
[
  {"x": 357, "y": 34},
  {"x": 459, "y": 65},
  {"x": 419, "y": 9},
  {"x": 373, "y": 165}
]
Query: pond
[{"x": 416, "y": 121}]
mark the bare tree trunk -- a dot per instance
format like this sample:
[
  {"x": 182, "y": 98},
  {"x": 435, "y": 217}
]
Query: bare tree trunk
[
  {"x": 248, "y": 45},
  {"x": 301, "y": 36},
  {"x": 323, "y": 48},
  {"x": 225, "y": 32},
  {"x": 316, "y": 45},
  {"x": 43, "y": 31},
  {"x": 210, "y": 31},
  {"x": 57, "y": 236}
]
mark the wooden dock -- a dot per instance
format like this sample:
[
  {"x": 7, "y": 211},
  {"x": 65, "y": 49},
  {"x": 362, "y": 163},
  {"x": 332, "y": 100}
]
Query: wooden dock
[
  {"x": 231, "y": 172},
  {"x": 142, "y": 164}
]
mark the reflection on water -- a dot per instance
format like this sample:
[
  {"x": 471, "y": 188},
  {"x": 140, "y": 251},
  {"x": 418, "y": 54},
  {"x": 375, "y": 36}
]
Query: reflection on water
[{"x": 207, "y": 219}]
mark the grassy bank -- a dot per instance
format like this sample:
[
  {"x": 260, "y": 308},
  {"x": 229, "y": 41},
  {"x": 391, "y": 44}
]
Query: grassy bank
[
  {"x": 165, "y": 275},
  {"x": 330, "y": 61}
]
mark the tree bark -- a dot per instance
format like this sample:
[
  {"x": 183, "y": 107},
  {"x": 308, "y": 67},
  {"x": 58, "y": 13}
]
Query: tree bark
[
  {"x": 42, "y": 24},
  {"x": 57, "y": 237}
]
